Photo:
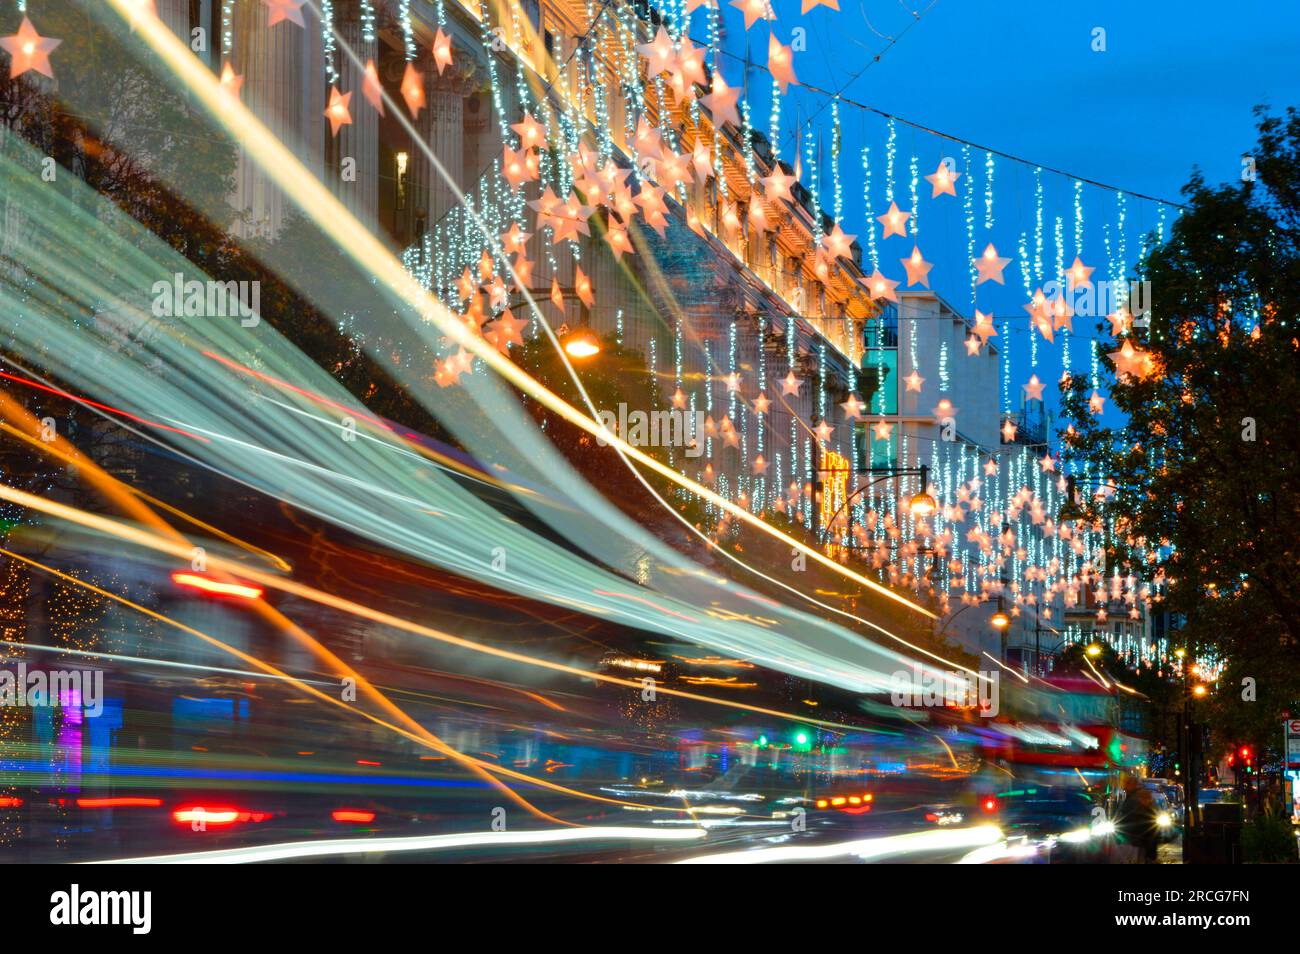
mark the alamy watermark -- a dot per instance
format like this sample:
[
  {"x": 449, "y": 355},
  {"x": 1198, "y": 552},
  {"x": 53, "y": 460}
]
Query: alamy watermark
[
  {"x": 53, "y": 689},
  {"x": 674, "y": 428},
  {"x": 931, "y": 689},
  {"x": 1101, "y": 298},
  {"x": 179, "y": 298}
]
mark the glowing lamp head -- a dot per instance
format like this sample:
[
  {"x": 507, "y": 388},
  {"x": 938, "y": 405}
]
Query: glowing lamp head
[
  {"x": 1000, "y": 620},
  {"x": 1094, "y": 650},
  {"x": 1199, "y": 691},
  {"x": 582, "y": 343},
  {"x": 922, "y": 504}
]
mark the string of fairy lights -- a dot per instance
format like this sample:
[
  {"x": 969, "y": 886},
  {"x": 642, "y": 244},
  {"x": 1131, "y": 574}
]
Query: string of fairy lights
[{"x": 999, "y": 527}]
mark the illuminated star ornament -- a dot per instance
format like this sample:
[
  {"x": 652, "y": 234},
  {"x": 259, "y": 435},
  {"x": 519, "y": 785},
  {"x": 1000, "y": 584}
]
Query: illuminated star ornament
[
  {"x": 838, "y": 244},
  {"x": 1133, "y": 361},
  {"x": 990, "y": 266},
  {"x": 290, "y": 10},
  {"x": 372, "y": 89},
  {"x": 811, "y": 4},
  {"x": 790, "y": 385},
  {"x": 754, "y": 10},
  {"x": 1078, "y": 274},
  {"x": 231, "y": 82},
  {"x": 914, "y": 381},
  {"x": 658, "y": 53},
  {"x": 943, "y": 180},
  {"x": 894, "y": 221},
  {"x": 721, "y": 102},
  {"x": 28, "y": 50},
  {"x": 881, "y": 287},
  {"x": 780, "y": 63},
  {"x": 918, "y": 269},
  {"x": 413, "y": 90},
  {"x": 441, "y": 50},
  {"x": 337, "y": 110},
  {"x": 1034, "y": 389}
]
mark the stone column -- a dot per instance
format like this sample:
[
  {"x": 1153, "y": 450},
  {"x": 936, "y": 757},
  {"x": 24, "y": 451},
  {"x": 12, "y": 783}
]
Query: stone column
[
  {"x": 284, "y": 84},
  {"x": 359, "y": 141}
]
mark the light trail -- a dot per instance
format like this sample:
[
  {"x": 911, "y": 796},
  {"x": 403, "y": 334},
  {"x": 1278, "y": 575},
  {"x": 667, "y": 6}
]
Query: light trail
[
  {"x": 323, "y": 207},
  {"x": 865, "y": 849},
  {"x": 328, "y": 847},
  {"x": 271, "y": 581}
]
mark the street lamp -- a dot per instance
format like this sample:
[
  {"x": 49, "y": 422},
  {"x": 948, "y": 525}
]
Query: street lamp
[
  {"x": 922, "y": 504},
  {"x": 580, "y": 343},
  {"x": 1094, "y": 650},
  {"x": 1000, "y": 620}
]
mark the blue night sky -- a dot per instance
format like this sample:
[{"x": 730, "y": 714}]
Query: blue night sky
[{"x": 1174, "y": 89}]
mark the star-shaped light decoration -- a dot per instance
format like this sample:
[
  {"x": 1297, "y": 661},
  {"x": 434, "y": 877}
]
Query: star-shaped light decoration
[
  {"x": 754, "y": 10},
  {"x": 852, "y": 407},
  {"x": 1132, "y": 361},
  {"x": 441, "y": 50},
  {"x": 514, "y": 166},
  {"x": 823, "y": 432},
  {"x": 231, "y": 82},
  {"x": 914, "y": 381},
  {"x": 973, "y": 345},
  {"x": 1121, "y": 322},
  {"x": 780, "y": 63},
  {"x": 673, "y": 169},
  {"x": 1096, "y": 403},
  {"x": 508, "y": 330},
  {"x": 721, "y": 102},
  {"x": 1034, "y": 389},
  {"x": 990, "y": 467},
  {"x": 777, "y": 185},
  {"x": 790, "y": 385},
  {"x": 531, "y": 133},
  {"x": 878, "y": 286},
  {"x": 1078, "y": 274},
  {"x": 1008, "y": 431},
  {"x": 28, "y": 50},
  {"x": 810, "y": 4},
  {"x": 758, "y": 223},
  {"x": 1062, "y": 314},
  {"x": 693, "y": 4},
  {"x": 894, "y": 221},
  {"x": 702, "y": 160},
  {"x": 290, "y": 10},
  {"x": 943, "y": 180},
  {"x": 465, "y": 285},
  {"x": 1046, "y": 463},
  {"x": 659, "y": 53},
  {"x": 337, "y": 110},
  {"x": 918, "y": 269},
  {"x": 618, "y": 241},
  {"x": 413, "y": 90},
  {"x": 838, "y": 244},
  {"x": 557, "y": 296},
  {"x": 514, "y": 239},
  {"x": 944, "y": 409},
  {"x": 990, "y": 266},
  {"x": 761, "y": 403},
  {"x": 984, "y": 326},
  {"x": 760, "y": 465},
  {"x": 881, "y": 430},
  {"x": 372, "y": 89},
  {"x": 582, "y": 286},
  {"x": 688, "y": 71},
  {"x": 648, "y": 141}
]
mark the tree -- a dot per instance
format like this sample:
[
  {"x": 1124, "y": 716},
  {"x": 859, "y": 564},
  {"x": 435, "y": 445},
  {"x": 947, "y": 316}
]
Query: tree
[{"x": 1206, "y": 466}]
